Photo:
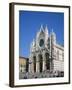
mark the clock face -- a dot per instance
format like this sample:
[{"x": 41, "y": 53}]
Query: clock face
[{"x": 41, "y": 42}]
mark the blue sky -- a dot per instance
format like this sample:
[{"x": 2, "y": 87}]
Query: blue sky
[{"x": 29, "y": 25}]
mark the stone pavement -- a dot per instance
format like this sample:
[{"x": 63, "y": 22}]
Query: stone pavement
[{"x": 44, "y": 74}]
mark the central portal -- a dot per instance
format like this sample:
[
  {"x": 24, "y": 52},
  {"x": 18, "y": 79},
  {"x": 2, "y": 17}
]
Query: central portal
[
  {"x": 47, "y": 61},
  {"x": 40, "y": 63}
]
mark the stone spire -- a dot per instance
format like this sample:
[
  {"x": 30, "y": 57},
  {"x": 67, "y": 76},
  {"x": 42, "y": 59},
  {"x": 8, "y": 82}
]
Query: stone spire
[
  {"x": 46, "y": 32},
  {"x": 40, "y": 33},
  {"x": 33, "y": 43},
  {"x": 46, "y": 36},
  {"x": 32, "y": 46},
  {"x": 53, "y": 36},
  {"x": 52, "y": 33},
  {"x": 41, "y": 29}
]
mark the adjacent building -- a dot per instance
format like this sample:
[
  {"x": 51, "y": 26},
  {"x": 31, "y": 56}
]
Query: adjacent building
[{"x": 23, "y": 66}]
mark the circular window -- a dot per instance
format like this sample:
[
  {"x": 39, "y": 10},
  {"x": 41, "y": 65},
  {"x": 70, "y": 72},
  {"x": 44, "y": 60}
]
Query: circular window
[{"x": 41, "y": 42}]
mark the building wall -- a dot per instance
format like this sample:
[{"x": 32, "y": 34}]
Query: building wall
[
  {"x": 59, "y": 58},
  {"x": 23, "y": 64},
  {"x": 58, "y": 65},
  {"x": 55, "y": 51},
  {"x": 23, "y": 67}
]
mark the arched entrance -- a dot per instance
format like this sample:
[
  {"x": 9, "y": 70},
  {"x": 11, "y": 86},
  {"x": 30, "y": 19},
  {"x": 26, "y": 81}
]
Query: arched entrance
[
  {"x": 34, "y": 63},
  {"x": 40, "y": 63},
  {"x": 47, "y": 61}
]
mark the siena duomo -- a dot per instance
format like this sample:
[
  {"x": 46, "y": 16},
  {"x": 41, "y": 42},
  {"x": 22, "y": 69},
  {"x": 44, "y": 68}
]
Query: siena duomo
[{"x": 46, "y": 57}]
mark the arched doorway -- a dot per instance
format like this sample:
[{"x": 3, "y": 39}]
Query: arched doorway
[
  {"x": 40, "y": 63},
  {"x": 47, "y": 61},
  {"x": 34, "y": 63}
]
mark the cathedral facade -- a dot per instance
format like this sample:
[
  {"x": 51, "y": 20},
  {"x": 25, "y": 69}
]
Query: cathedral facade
[
  {"x": 45, "y": 54},
  {"x": 46, "y": 57}
]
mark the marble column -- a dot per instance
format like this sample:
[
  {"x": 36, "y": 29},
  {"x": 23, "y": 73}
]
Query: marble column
[
  {"x": 31, "y": 66},
  {"x": 44, "y": 62},
  {"x": 37, "y": 64}
]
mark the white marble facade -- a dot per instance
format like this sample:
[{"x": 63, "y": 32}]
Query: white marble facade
[{"x": 45, "y": 53}]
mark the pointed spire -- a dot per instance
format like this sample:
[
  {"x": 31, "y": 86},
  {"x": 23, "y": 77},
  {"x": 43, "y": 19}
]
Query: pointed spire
[
  {"x": 46, "y": 26},
  {"x": 53, "y": 36},
  {"x": 41, "y": 26},
  {"x": 33, "y": 43},
  {"x": 52, "y": 30},
  {"x": 46, "y": 31},
  {"x": 46, "y": 36},
  {"x": 41, "y": 29}
]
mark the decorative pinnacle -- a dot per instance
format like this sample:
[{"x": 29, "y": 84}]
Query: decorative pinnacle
[
  {"x": 41, "y": 29},
  {"x": 52, "y": 30}
]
